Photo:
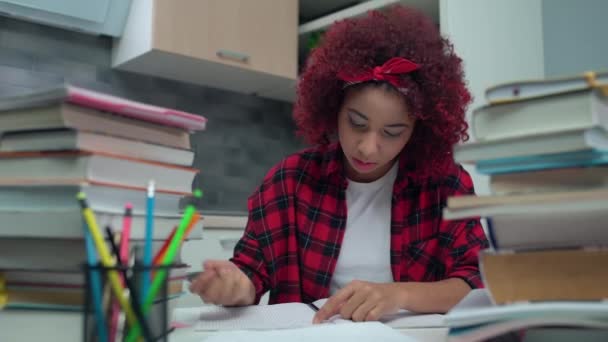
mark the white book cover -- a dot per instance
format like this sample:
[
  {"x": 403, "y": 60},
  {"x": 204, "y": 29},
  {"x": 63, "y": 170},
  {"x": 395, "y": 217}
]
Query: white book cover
[
  {"x": 576, "y": 110},
  {"x": 528, "y": 89}
]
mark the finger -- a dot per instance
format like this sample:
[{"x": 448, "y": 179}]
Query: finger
[
  {"x": 220, "y": 292},
  {"x": 202, "y": 281},
  {"x": 333, "y": 304},
  {"x": 374, "y": 314},
  {"x": 213, "y": 291},
  {"x": 352, "y": 304},
  {"x": 228, "y": 294},
  {"x": 215, "y": 264},
  {"x": 360, "y": 314}
]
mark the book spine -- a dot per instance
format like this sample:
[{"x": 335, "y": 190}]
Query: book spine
[{"x": 491, "y": 234}]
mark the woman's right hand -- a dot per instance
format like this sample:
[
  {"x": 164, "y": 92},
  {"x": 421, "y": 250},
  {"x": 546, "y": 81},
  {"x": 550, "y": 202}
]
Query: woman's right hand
[{"x": 222, "y": 283}]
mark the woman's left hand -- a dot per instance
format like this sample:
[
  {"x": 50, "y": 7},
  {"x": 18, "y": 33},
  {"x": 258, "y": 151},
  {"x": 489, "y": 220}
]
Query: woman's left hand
[{"x": 362, "y": 301}]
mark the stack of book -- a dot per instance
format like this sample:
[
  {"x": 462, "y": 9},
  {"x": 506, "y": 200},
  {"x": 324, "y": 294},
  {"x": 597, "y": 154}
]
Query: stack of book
[
  {"x": 477, "y": 318},
  {"x": 132, "y": 160},
  {"x": 544, "y": 146}
]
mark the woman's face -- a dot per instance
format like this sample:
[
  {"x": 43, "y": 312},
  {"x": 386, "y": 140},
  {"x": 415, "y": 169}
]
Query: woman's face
[{"x": 374, "y": 125}]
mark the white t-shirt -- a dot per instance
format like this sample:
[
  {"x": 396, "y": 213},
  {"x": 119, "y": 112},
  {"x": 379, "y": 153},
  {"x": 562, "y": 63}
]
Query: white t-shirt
[{"x": 365, "y": 251}]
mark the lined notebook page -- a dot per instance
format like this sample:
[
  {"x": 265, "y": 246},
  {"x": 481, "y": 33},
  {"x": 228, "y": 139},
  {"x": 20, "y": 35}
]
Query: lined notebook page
[
  {"x": 407, "y": 319},
  {"x": 349, "y": 332},
  {"x": 284, "y": 316},
  {"x": 256, "y": 317}
]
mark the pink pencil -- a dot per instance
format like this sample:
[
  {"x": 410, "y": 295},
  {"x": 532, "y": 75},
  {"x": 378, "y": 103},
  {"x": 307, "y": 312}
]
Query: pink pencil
[
  {"x": 124, "y": 260},
  {"x": 126, "y": 234}
]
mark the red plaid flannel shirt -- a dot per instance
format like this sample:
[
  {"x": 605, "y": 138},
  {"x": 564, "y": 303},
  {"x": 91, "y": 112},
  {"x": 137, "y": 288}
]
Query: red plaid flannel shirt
[{"x": 297, "y": 219}]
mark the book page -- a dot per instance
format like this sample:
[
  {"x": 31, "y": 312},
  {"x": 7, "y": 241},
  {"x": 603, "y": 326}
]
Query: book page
[
  {"x": 285, "y": 316},
  {"x": 401, "y": 319},
  {"x": 360, "y": 332},
  {"x": 407, "y": 319},
  {"x": 255, "y": 317}
]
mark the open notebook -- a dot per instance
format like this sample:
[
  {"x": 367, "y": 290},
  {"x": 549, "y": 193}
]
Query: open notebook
[
  {"x": 284, "y": 316},
  {"x": 360, "y": 332}
]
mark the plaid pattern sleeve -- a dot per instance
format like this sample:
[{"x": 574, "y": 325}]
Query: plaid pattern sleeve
[
  {"x": 248, "y": 257},
  {"x": 464, "y": 238},
  {"x": 262, "y": 206},
  {"x": 296, "y": 222}
]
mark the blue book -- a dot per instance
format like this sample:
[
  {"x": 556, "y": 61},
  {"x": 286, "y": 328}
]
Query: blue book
[{"x": 543, "y": 162}]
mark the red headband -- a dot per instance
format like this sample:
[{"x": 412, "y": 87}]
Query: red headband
[{"x": 389, "y": 72}]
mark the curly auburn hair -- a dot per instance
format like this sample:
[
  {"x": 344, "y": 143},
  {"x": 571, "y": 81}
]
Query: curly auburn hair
[{"x": 436, "y": 93}]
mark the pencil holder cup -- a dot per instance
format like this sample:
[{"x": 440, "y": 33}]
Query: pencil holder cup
[{"x": 106, "y": 318}]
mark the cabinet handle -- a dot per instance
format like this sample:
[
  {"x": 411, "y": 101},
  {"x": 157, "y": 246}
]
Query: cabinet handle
[{"x": 235, "y": 56}]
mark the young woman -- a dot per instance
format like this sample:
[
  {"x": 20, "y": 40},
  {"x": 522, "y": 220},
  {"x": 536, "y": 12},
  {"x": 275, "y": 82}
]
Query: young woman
[{"x": 358, "y": 217}]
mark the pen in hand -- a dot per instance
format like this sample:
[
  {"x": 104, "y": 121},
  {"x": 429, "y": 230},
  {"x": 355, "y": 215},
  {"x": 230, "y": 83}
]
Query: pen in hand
[{"x": 193, "y": 275}]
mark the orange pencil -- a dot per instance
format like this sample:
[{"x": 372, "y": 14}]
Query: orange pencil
[{"x": 161, "y": 253}]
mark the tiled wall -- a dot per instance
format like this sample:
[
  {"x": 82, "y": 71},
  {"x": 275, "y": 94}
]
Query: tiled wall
[{"x": 246, "y": 135}]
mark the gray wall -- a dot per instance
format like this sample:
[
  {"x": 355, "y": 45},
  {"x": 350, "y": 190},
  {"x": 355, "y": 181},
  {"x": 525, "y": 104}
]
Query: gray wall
[
  {"x": 574, "y": 36},
  {"x": 246, "y": 135}
]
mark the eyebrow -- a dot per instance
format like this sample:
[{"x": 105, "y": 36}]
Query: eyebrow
[{"x": 363, "y": 116}]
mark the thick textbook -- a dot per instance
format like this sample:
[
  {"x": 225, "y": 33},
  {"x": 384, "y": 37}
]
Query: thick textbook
[
  {"x": 54, "y": 258},
  {"x": 69, "y": 116},
  {"x": 553, "y": 113},
  {"x": 526, "y": 204},
  {"x": 583, "y": 158},
  {"x": 476, "y": 318},
  {"x": 573, "y": 140},
  {"x": 551, "y": 180},
  {"x": 527, "y": 89},
  {"x": 477, "y": 308},
  {"x": 534, "y": 231},
  {"x": 67, "y": 224},
  {"x": 65, "y": 139},
  {"x": 74, "y": 167},
  {"x": 104, "y": 102},
  {"x": 101, "y": 198},
  {"x": 546, "y": 275}
]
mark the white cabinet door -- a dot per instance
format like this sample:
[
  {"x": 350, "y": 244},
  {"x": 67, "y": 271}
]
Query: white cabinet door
[
  {"x": 498, "y": 41},
  {"x": 88, "y": 10},
  {"x": 95, "y": 17}
]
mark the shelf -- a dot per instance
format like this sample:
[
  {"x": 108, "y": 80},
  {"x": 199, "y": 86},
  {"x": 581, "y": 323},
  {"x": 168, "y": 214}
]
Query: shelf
[
  {"x": 357, "y": 10},
  {"x": 429, "y": 7}
]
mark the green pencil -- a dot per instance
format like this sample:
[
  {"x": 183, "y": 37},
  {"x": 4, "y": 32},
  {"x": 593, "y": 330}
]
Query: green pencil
[{"x": 161, "y": 274}]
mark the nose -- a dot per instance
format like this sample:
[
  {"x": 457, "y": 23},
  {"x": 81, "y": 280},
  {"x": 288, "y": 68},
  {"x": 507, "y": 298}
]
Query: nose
[{"x": 369, "y": 145}]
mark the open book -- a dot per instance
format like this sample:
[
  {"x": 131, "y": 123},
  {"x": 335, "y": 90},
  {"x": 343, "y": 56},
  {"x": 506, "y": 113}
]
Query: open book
[
  {"x": 360, "y": 332},
  {"x": 284, "y": 316}
]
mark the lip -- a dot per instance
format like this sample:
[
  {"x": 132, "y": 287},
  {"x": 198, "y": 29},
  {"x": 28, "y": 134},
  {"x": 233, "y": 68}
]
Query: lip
[{"x": 363, "y": 166}]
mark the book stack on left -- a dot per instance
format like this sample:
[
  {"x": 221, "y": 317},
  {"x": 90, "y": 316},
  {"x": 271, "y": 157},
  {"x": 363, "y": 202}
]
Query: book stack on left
[
  {"x": 131, "y": 160},
  {"x": 544, "y": 146}
]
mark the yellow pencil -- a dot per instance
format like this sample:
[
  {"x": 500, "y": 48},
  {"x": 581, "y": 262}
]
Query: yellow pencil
[{"x": 106, "y": 259}]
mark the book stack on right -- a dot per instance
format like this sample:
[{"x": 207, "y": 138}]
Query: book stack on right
[{"x": 544, "y": 146}]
